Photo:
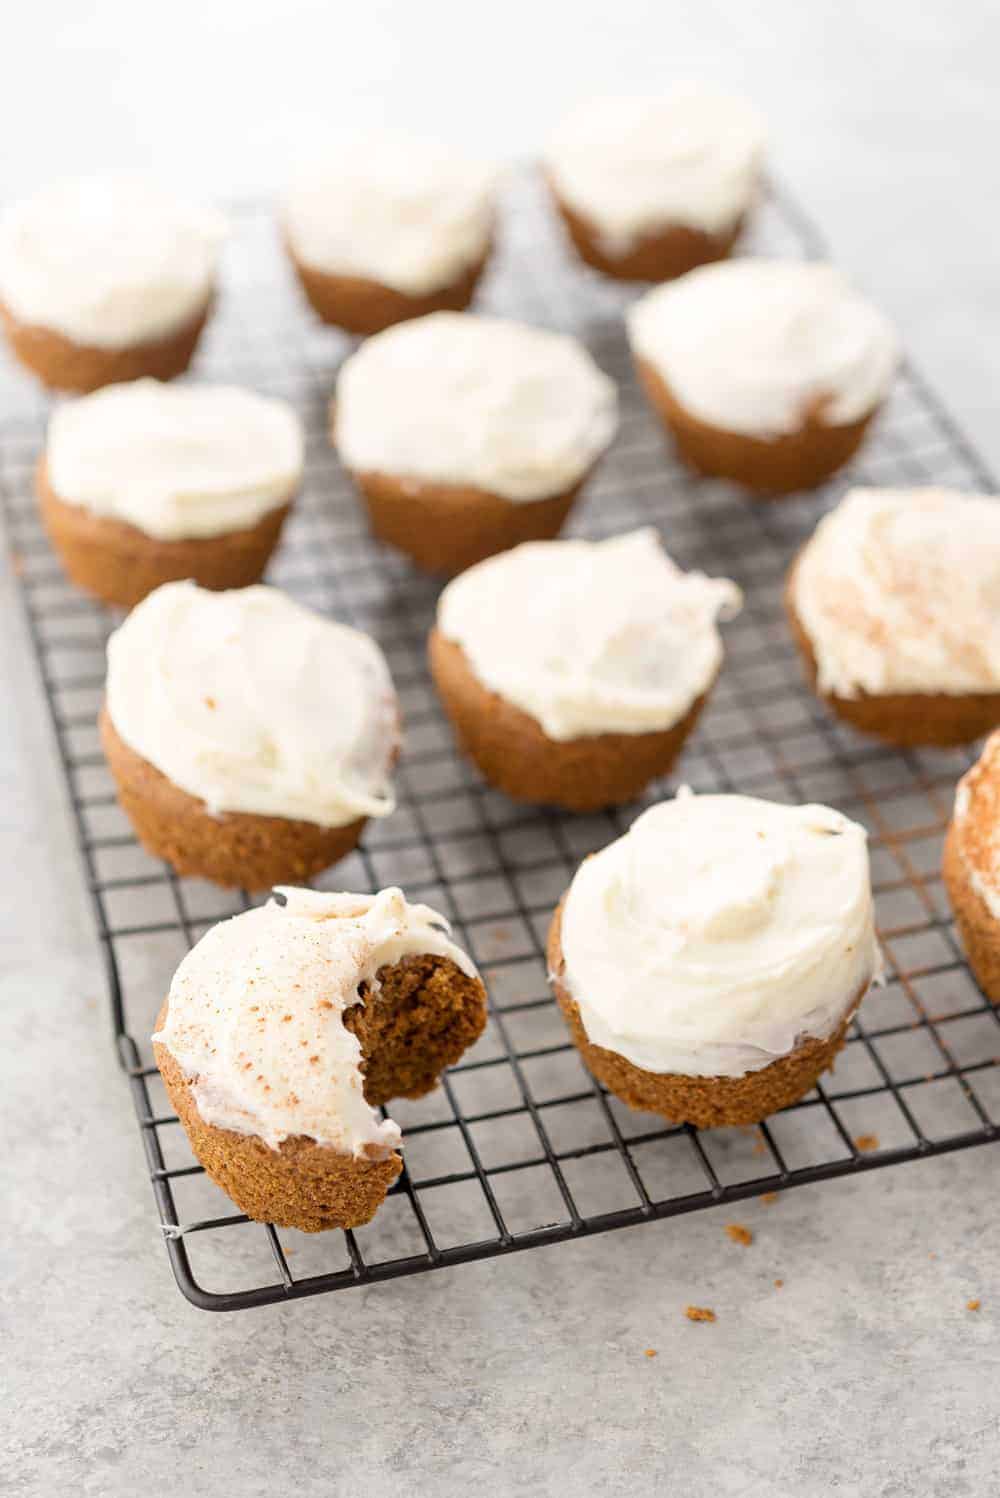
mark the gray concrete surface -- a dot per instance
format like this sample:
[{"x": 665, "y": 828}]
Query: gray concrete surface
[{"x": 864, "y": 1374}]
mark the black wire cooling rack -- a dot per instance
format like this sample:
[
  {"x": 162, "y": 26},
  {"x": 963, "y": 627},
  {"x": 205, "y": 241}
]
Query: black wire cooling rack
[{"x": 519, "y": 1146}]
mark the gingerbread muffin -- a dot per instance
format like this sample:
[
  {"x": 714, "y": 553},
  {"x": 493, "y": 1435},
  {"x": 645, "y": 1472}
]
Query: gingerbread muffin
[
  {"x": 708, "y": 963},
  {"x": 649, "y": 188},
  {"x": 105, "y": 279},
  {"x": 971, "y": 866},
  {"x": 383, "y": 228},
  {"x": 893, "y": 603},
  {"x": 144, "y": 483},
  {"x": 573, "y": 671},
  {"x": 288, "y": 1026},
  {"x": 250, "y": 739},
  {"x": 468, "y": 435},
  {"x": 765, "y": 372}
]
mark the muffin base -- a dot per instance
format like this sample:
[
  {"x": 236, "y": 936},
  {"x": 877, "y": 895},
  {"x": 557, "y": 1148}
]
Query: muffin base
[
  {"x": 656, "y": 256},
  {"x": 425, "y": 1014},
  {"x": 119, "y": 563},
  {"x": 424, "y": 1017},
  {"x": 445, "y": 528},
  {"x": 362, "y": 306},
  {"x": 706, "y": 1102},
  {"x": 977, "y": 926},
  {"x": 237, "y": 849},
  {"x": 910, "y": 720},
  {"x": 513, "y": 752},
  {"x": 62, "y": 364},
  {"x": 770, "y": 468}
]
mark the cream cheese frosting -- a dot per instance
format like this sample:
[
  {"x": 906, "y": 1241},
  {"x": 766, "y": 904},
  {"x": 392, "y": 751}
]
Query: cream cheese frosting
[
  {"x": 176, "y": 461},
  {"x": 719, "y": 933},
  {"x": 458, "y": 399},
  {"x": 633, "y": 166},
  {"x": 590, "y": 637},
  {"x": 755, "y": 346},
  {"x": 253, "y": 703},
  {"x": 898, "y": 590},
  {"x": 410, "y": 214},
  {"x": 108, "y": 261},
  {"x": 255, "y": 1017},
  {"x": 976, "y": 824}
]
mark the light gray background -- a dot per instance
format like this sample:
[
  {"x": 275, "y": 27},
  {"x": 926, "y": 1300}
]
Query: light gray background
[{"x": 865, "y": 1374}]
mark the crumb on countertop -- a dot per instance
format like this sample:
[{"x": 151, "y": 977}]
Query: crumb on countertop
[
  {"x": 699, "y": 1313},
  {"x": 651, "y": 1352},
  {"x": 972, "y": 1305},
  {"x": 769, "y": 1198},
  {"x": 866, "y": 1142},
  {"x": 778, "y": 1284},
  {"x": 739, "y": 1234}
]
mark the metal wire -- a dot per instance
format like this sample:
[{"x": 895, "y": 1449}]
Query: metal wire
[{"x": 520, "y": 1146}]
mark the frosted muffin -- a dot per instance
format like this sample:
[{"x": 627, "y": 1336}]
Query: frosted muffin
[
  {"x": 383, "y": 227},
  {"x": 144, "y": 483},
  {"x": 766, "y": 372},
  {"x": 105, "y": 279},
  {"x": 573, "y": 671},
  {"x": 894, "y": 603},
  {"x": 971, "y": 866},
  {"x": 467, "y": 435},
  {"x": 708, "y": 963},
  {"x": 649, "y": 188},
  {"x": 287, "y": 1027},
  {"x": 250, "y": 739}
]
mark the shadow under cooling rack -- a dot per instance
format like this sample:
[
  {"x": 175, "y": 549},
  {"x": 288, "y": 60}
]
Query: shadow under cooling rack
[{"x": 520, "y": 1146}]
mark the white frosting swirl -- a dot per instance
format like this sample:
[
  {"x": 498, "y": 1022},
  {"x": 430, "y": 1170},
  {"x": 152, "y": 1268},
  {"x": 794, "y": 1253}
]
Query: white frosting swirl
[
  {"x": 976, "y": 824},
  {"x": 108, "y": 261},
  {"x": 590, "y": 637},
  {"x": 253, "y": 703},
  {"x": 719, "y": 933},
  {"x": 635, "y": 166},
  {"x": 176, "y": 460},
  {"x": 464, "y": 400},
  {"x": 898, "y": 590},
  {"x": 408, "y": 213},
  {"x": 754, "y": 346},
  {"x": 255, "y": 1018}
]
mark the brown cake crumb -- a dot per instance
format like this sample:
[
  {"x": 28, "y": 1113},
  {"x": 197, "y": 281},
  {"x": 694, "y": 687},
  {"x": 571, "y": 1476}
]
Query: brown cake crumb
[
  {"x": 739, "y": 1234},
  {"x": 651, "y": 1352},
  {"x": 778, "y": 1284},
  {"x": 699, "y": 1313},
  {"x": 769, "y": 1198},
  {"x": 866, "y": 1143},
  {"x": 972, "y": 1305}
]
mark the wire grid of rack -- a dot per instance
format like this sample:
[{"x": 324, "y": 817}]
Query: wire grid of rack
[{"x": 519, "y": 1146}]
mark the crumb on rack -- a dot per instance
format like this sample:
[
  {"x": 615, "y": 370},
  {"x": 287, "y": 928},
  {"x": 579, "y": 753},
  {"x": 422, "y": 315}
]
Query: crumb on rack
[
  {"x": 866, "y": 1143},
  {"x": 651, "y": 1352},
  {"x": 739, "y": 1234},
  {"x": 769, "y": 1198},
  {"x": 699, "y": 1313},
  {"x": 972, "y": 1305}
]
